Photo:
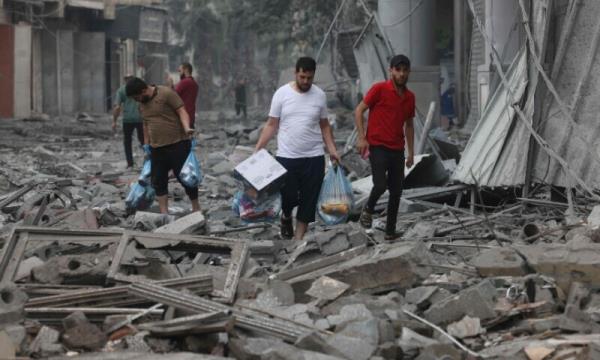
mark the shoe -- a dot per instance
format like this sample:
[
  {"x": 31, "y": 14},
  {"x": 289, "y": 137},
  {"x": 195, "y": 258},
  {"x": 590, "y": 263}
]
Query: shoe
[
  {"x": 366, "y": 219},
  {"x": 389, "y": 236},
  {"x": 287, "y": 228}
]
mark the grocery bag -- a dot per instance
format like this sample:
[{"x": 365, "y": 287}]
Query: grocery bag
[
  {"x": 263, "y": 208},
  {"x": 335, "y": 199},
  {"x": 140, "y": 196},
  {"x": 191, "y": 174},
  {"x": 145, "y": 175}
]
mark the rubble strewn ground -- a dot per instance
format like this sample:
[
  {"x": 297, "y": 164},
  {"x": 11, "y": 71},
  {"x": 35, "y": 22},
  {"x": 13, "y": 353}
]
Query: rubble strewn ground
[{"x": 81, "y": 275}]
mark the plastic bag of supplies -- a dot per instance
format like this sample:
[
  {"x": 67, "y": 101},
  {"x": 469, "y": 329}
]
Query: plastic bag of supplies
[
  {"x": 335, "y": 199},
  {"x": 140, "y": 196},
  {"x": 191, "y": 174},
  {"x": 145, "y": 175},
  {"x": 251, "y": 209}
]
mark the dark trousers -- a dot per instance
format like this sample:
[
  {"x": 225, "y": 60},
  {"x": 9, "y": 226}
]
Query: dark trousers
[
  {"x": 127, "y": 138},
  {"x": 167, "y": 158},
  {"x": 302, "y": 185},
  {"x": 387, "y": 166},
  {"x": 239, "y": 107}
]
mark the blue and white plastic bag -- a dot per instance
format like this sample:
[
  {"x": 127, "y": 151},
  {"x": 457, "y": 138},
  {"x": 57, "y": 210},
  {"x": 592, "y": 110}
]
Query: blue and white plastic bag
[
  {"x": 140, "y": 196},
  {"x": 335, "y": 199},
  {"x": 191, "y": 174}
]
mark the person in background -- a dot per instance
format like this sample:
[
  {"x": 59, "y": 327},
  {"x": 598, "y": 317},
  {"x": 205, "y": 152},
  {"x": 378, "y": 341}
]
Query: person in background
[{"x": 131, "y": 121}]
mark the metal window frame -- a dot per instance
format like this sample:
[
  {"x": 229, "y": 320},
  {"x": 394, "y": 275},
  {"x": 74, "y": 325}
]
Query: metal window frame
[{"x": 238, "y": 251}]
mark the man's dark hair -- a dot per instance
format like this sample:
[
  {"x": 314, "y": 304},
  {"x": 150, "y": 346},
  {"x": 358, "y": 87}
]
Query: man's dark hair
[
  {"x": 187, "y": 66},
  {"x": 400, "y": 60},
  {"x": 135, "y": 87},
  {"x": 306, "y": 63}
]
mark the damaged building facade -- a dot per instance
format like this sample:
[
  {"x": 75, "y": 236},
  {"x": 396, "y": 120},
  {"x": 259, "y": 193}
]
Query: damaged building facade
[{"x": 63, "y": 57}]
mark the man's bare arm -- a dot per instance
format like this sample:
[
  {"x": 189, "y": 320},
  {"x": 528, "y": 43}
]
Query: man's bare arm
[
  {"x": 185, "y": 120},
  {"x": 267, "y": 133},
  {"x": 359, "y": 121},
  {"x": 328, "y": 139}
]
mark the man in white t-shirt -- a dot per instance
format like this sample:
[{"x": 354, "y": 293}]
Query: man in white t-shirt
[{"x": 299, "y": 117}]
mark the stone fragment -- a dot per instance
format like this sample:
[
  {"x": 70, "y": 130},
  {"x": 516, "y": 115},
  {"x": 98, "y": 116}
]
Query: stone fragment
[
  {"x": 137, "y": 343},
  {"x": 25, "y": 267},
  {"x": 82, "y": 334},
  {"x": 12, "y": 303},
  {"x": 224, "y": 167},
  {"x": 477, "y": 301},
  {"x": 536, "y": 352},
  {"x": 87, "y": 269},
  {"x": 17, "y": 334},
  {"x": 46, "y": 343},
  {"x": 184, "y": 225},
  {"x": 420, "y": 295},
  {"x": 333, "y": 241},
  {"x": 315, "y": 342},
  {"x": 593, "y": 219},
  {"x": 277, "y": 293},
  {"x": 351, "y": 347},
  {"x": 439, "y": 352},
  {"x": 367, "y": 330},
  {"x": 389, "y": 350},
  {"x": 467, "y": 327},
  {"x": 499, "y": 262},
  {"x": 149, "y": 221},
  {"x": 326, "y": 288},
  {"x": 350, "y": 313}
]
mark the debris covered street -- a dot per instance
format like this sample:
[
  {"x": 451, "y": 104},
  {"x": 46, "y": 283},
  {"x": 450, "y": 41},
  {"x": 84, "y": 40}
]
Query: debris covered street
[{"x": 495, "y": 252}]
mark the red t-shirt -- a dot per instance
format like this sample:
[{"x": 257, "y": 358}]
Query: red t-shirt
[
  {"x": 388, "y": 112},
  {"x": 187, "y": 89}
]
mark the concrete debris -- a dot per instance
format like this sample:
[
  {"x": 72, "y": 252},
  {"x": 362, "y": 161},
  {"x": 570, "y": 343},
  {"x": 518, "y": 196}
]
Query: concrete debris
[{"x": 81, "y": 274}]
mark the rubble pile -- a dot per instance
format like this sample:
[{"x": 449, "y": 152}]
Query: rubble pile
[{"x": 83, "y": 275}]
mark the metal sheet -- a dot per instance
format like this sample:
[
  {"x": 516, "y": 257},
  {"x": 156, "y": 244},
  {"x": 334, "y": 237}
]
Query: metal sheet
[{"x": 487, "y": 142}]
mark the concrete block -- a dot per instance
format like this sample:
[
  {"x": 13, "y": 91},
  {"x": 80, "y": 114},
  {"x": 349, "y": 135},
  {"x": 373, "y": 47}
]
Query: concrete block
[
  {"x": 326, "y": 288},
  {"x": 477, "y": 301},
  {"x": 276, "y": 293},
  {"x": 366, "y": 330},
  {"x": 46, "y": 343},
  {"x": 350, "y": 313},
  {"x": 25, "y": 267},
  {"x": 499, "y": 262},
  {"x": 351, "y": 347},
  {"x": 333, "y": 241},
  {"x": 12, "y": 303},
  {"x": 149, "y": 221},
  {"x": 87, "y": 269},
  {"x": 467, "y": 327},
  {"x": 420, "y": 295},
  {"x": 184, "y": 225}
]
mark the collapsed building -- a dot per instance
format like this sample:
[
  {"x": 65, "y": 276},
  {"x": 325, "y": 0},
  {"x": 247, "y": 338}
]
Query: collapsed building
[{"x": 511, "y": 278}]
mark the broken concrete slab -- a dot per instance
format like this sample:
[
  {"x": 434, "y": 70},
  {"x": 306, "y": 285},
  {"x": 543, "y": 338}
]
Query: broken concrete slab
[
  {"x": 499, "y": 262},
  {"x": 149, "y": 221},
  {"x": 26, "y": 266},
  {"x": 420, "y": 296},
  {"x": 367, "y": 330},
  {"x": 85, "y": 268},
  {"x": 477, "y": 301},
  {"x": 350, "y": 313},
  {"x": 352, "y": 347},
  {"x": 276, "y": 293},
  {"x": 371, "y": 271},
  {"x": 188, "y": 224},
  {"x": 326, "y": 288}
]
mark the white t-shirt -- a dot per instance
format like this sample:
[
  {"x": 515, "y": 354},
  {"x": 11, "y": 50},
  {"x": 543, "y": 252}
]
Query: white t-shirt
[{"x": 299, "y": 116}]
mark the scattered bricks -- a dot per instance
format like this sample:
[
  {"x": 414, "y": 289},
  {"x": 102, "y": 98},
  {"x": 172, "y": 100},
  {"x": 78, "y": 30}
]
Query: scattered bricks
[
  {"x": 188, "y": 224},
  {"x": 12, "y": 302},
  {"x": 46, "y": 343},
  {"x": 82, "y": 334},
  {"x": 467, "y": 327},
  {"x": 499, "y": 262},
  {"x": 476, "y": 301}
]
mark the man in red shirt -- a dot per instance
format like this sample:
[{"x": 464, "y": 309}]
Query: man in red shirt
[
  {"x": 187, "y": 89},
  {"x": 391, "y": 111}
]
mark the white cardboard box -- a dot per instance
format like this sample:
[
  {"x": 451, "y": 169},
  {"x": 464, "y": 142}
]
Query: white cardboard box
[{"x": 260, "y": 170}]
